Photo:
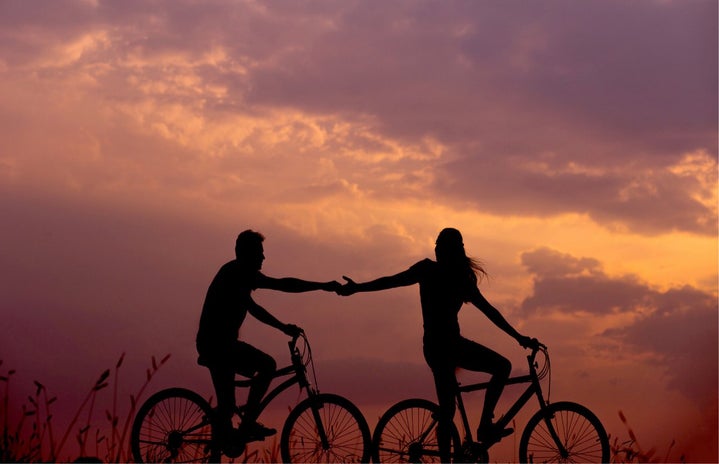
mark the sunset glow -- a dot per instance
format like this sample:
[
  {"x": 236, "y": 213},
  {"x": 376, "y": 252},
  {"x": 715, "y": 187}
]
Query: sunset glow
[{"x": 574, "y": 144}]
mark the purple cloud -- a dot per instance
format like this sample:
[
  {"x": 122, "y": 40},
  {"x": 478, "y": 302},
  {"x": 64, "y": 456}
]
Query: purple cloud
[
  {"x": 678, "y": 327},
  {"x": 611, "y": 96}
]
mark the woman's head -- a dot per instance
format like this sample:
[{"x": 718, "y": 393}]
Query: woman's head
[
  {"x": 449, "y": 250},
  {"x": 449, "y": 245}
]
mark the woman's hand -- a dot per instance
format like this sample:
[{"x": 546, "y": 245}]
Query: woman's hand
[
  {"x": 528, "y": 342},
  {"x": 348, "y": 288}
]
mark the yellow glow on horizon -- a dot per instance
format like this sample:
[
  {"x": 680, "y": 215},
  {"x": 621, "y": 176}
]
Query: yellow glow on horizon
[{"x": 662, "y": 261}]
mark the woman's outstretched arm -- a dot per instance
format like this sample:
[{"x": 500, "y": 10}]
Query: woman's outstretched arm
[{"x": 402, "y": 279}]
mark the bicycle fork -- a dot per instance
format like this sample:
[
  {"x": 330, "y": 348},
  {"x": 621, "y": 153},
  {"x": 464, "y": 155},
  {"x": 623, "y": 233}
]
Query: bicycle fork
[
  {"x": 547, "y": 418},
  {"x": 316, "y": 406}
]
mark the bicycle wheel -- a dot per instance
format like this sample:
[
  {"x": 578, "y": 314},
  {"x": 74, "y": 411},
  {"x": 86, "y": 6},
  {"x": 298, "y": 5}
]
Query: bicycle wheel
[
  {"x": 173, "y": 425},
  {"x": 407, "y": 432},
  {"x": 346, "y": 431},
  {"x": 580, "y": 432}
]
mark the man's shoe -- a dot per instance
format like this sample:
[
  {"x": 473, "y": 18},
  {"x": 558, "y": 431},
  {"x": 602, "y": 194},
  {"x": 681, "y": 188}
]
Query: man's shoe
[
  {"x": 256, "y": 431},
  {"x": 231, "y": 441}
]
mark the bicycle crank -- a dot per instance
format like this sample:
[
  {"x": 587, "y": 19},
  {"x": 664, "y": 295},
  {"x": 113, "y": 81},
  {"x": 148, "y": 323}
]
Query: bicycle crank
[{"x": 474, "y": 452}]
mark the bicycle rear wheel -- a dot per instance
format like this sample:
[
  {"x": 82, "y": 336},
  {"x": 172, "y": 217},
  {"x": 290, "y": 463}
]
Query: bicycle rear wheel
[
  {"x": 580, "y": 432},
  {"x": 407, "y": 432},
  {"x": 173, "y": 425},
  {"x": 325, "y": 428}
]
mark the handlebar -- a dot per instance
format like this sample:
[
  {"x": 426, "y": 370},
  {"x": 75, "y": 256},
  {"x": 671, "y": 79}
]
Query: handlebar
[
  {"x": 302, "y": 359},
  {"x": 293, "y": 341},
  {"x": 536, "y": 345},
  {"x": 541, "y": 369}
]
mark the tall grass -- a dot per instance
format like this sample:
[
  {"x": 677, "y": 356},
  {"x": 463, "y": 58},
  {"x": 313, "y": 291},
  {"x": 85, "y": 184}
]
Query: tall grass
[
  {"x": 630, "y": 451},
  {"x": 29, "y": 435}
]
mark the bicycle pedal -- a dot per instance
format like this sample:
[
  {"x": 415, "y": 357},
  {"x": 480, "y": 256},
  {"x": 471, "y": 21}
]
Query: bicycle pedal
[
  {"x": 474, "y": 452},
  {"x": 233, "y": 450}
]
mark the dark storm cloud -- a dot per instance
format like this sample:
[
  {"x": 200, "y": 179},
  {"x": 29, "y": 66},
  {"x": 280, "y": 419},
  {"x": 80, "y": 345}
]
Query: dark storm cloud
[{"x": 677, "y": 326}]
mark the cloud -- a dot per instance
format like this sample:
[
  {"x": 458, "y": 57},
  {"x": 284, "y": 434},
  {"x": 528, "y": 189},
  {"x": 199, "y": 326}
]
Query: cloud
[
  {"x": 677, "y": 327},
  {"x": 511, "y": 109},
  {"x": 646, "y": 200}
]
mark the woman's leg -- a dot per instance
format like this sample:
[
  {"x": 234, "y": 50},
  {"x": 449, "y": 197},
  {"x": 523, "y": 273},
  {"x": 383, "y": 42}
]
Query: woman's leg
[
  {"x": 475, "y": 357},
  {"x": 446, "y": 384},
  {"x": 439, "y": 358}
]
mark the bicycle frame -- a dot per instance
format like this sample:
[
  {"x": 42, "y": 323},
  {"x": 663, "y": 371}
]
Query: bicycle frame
[
  {"x": 296, "y": 369},
  {"x": 299, "y": 376},
  {"x": 534, "y": 389}
]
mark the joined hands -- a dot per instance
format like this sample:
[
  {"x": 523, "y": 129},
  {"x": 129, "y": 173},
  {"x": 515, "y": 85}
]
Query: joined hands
[{"x": 348, "y": 288}]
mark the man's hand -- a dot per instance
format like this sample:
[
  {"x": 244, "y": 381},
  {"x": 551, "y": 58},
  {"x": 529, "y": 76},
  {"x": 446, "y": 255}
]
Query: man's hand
[
  {"x": 333, "y": 286},
  {"x": 348, "y": 288},
  {"x": 292, "y": 330}
]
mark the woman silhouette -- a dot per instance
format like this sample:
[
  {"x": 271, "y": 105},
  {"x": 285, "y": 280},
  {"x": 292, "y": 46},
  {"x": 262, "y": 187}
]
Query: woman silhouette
[{"x": 444, "y": 286}]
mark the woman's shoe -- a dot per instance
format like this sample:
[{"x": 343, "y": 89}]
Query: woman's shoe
[{"x": 492, "y": 433}]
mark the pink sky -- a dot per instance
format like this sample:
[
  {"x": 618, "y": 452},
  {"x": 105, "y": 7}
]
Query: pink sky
[{"x": 573, "y": 143}]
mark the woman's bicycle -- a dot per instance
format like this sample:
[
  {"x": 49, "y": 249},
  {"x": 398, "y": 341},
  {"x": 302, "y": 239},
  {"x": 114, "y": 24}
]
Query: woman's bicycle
[
  {"x": 558, "y": 432},
  {"x": 175, "y": 425}
]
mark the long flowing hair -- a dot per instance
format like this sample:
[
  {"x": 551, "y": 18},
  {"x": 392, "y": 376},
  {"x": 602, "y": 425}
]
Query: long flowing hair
[{"x": 450, "y": 250}]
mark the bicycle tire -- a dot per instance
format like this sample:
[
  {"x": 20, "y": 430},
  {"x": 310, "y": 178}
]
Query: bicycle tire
[
  {"x": 581, "y": 433},
  {"x": 398, "y": 435},
  {"x": 347, "y": 431},
  {"x": 173, "y": 425}
]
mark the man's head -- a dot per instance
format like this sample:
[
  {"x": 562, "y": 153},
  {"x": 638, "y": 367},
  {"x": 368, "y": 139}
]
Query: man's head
[{"x": 249, "y": 250}]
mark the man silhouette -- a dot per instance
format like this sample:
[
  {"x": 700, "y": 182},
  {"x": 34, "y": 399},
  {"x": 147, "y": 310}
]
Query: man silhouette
[{"x": 226, "y": 305}]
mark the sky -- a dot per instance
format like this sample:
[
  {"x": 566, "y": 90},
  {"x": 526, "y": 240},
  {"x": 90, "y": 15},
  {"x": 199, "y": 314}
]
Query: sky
[{"x": 574, "y": 144}]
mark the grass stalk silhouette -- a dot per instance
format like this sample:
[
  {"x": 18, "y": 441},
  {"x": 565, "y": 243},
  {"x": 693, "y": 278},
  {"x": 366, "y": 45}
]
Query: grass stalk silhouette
[
  {"x": 122, "y": 453},
  {"x": 38, "y": 444},
  {"x": 630, "y": 451}
]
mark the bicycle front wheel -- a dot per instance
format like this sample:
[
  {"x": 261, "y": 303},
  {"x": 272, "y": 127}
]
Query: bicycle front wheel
[
  {"x": 173, "y": 425},
  {"x": 407, "y": 432},
  {"x": 581, "y": 436},
  {"x": 325, "y": 428}
]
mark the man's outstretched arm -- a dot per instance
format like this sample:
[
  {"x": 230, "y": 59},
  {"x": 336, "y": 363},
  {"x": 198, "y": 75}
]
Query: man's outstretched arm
[{"x": 295, "y": 285}]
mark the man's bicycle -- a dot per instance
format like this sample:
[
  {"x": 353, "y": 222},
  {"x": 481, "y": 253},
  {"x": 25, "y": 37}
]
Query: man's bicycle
[
  {"x": 558, "y": 432},
  {"x": 175, "y": 425}
]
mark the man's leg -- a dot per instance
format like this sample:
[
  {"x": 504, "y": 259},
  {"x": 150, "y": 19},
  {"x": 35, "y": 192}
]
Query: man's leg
[
  {"x": 261, "y": 367},
  {"x": 223, "y": 377}
]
